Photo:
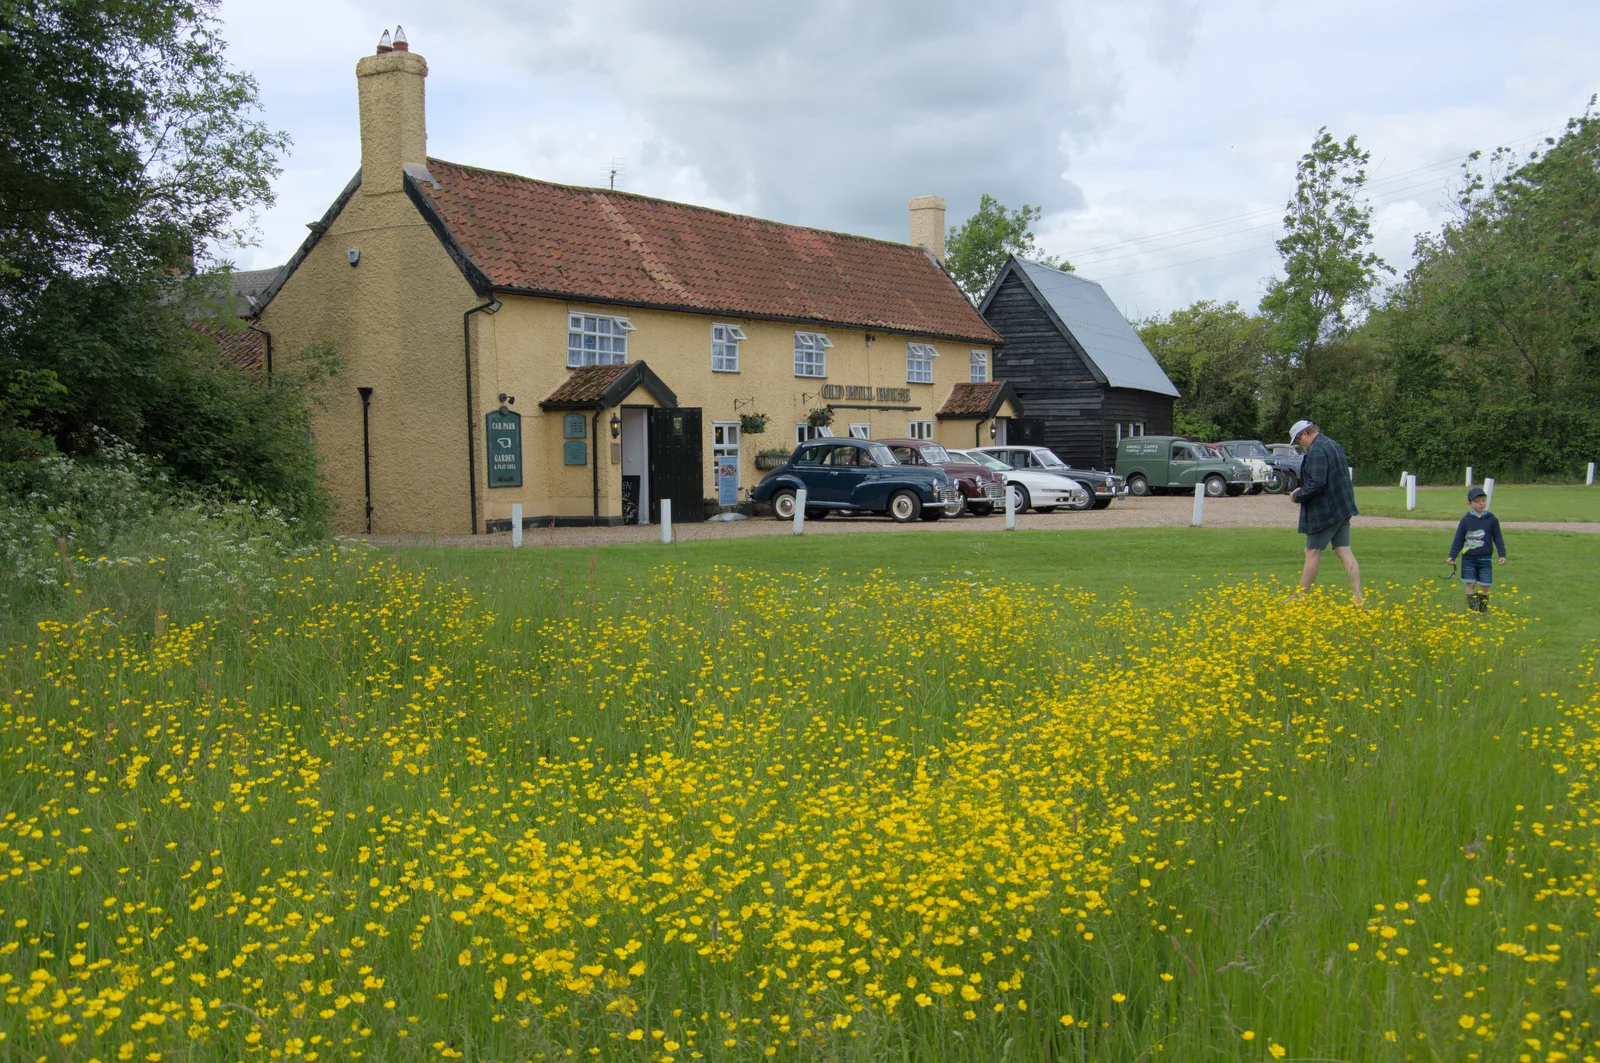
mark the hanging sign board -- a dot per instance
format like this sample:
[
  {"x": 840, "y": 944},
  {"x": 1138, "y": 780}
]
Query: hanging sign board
[{"x": 503, "y": 436}]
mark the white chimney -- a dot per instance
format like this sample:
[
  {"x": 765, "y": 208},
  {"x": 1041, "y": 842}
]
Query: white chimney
[{"x": 927, "y": 225}]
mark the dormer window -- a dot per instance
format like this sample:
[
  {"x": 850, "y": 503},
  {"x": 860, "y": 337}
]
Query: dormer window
[
  {"x": 596, "y": 340},
  {"x": 980, "y": 367}
]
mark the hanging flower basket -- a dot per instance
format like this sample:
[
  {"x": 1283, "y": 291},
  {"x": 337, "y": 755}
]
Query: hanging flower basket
[
  {"x": 752, "y": 424},
  {"x": 821, "y": 417}
]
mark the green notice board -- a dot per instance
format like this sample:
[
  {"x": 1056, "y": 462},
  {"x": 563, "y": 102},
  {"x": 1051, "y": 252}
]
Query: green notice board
[
  {"x": 503, "y": 436},
  {"x": 575, "y": 452}
]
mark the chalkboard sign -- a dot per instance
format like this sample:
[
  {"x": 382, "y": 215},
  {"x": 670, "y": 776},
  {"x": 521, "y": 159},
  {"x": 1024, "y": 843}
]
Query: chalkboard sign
[{"x": 503, "y": 436}]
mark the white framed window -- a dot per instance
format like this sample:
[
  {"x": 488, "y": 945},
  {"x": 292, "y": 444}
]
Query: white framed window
[
  {"x": 1129, "y": 429},
  {"x": 919, "y": 363},
  {"x": 725, "y": 340},
  {"x": 980, "y": 367},
  {"x": 811, "y": 354},
  {"x": 921, "y": 429},
  {"x": 596, "y": 340},
  {"x": 804, "y": 433},
  {"x": 860, "y": 430},
  {"x": 724, "y": 447}
]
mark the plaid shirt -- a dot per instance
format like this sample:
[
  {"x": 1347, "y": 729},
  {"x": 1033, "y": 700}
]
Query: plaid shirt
[{"x": 1326, "y": 495}]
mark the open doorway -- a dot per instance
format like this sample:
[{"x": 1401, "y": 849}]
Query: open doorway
[{"x": 635, "y": 465}]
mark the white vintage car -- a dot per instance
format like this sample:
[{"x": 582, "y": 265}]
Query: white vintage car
[{"x": 1033, "y": 488}]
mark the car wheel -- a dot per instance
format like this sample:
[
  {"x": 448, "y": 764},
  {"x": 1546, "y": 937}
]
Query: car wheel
[
  {"x": 818, "y": 514},
  {"x": 1138, "y": 485},
  {"x": 930, "y": 514},
  {"x": 783, "y": 505},
  {"x": 1087, "y": 503},
  {"x": 1235, "y": 490},
  {"x": 980, "y": 509},
  {"x": 1255, "y": 489},
  {"x": 1275, "y": 481},
  {"x": 904, "y": 507},
  {"x": 1216, "y": 486},
  {"x": 1024, "y": 500},
  {"x": 1291, "y": 483},
  {"x": 1101, "y": 503}
]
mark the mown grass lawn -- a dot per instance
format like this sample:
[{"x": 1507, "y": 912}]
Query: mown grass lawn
[
  {"x": 1511, "y": 502},
  {"x": 966, "y": 796}
]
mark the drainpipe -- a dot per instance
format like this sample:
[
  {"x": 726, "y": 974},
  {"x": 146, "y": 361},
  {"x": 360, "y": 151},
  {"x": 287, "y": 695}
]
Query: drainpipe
[
  {"x": 594, "y": 454},
  {"x": 366, "y": 452},
  {"x": 267, "y": 336},
  {"x": 472, "y": 447}
]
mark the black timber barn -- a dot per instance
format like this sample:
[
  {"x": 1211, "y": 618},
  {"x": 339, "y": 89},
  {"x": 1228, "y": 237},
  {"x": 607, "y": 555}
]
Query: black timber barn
[{"x": 1079, "y": 370}]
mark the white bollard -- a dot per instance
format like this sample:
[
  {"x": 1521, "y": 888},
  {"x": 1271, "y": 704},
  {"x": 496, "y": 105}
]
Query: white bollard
[
  {"x": 1488, "y": 489},
  {"x": 1011, "y": 508},
  {"x": 1590, "y": 481},
  {"x": 800, "y": 512},
  {"x": 1199, "y": 505},
  {"x": 666, "y": 520},
  {"x": 1404, "y": 476},
  {"x": 1352, "y": 474},
  {"x": 1469, "y": 475},
  {"x": 1411, "y": 492},
  {"x": 516, "y": 524}
]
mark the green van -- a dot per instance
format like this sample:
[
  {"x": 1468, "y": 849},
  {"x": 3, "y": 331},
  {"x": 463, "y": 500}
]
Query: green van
[{"x": 1172, "y": 463}]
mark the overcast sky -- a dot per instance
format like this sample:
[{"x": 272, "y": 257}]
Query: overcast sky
[{"x": 1159, "y": 136}]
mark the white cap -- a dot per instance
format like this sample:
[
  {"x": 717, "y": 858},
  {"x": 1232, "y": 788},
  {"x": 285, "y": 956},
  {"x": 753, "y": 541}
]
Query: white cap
[{"x": 1299, "y": 426}]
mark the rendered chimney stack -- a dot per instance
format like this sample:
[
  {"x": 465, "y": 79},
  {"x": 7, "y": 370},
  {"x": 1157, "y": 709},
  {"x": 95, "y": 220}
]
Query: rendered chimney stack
[
  {"x": 927, "y": 225},
  {"x": 393, "y": 127}
]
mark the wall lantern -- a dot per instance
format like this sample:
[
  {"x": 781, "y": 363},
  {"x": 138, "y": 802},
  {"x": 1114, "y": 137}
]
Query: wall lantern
[
  {"x": 994, "y": 431},
  {"x": 616, "y": 426},
  {"x": 871, "y": 339}
]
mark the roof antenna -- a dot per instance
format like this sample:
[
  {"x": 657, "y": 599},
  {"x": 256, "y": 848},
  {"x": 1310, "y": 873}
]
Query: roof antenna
[{"x": 617, "y": 167}]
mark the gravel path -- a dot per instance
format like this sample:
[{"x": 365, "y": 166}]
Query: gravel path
[{"x": 1165, "y": 511}]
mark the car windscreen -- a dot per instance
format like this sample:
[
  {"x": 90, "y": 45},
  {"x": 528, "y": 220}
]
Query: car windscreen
[
  {"x": 989, "y": 462},
  {"x": 1249, "y": 450},
  {"x": 934, "y": 454},
  {"x": 958, "y": 458},
  {"x": 881, "y": 455},
  {"x": 1049, "y": 460}
]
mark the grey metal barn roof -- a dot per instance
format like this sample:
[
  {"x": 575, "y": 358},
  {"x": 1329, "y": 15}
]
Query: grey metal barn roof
[{"x": 1082, "y": 309}]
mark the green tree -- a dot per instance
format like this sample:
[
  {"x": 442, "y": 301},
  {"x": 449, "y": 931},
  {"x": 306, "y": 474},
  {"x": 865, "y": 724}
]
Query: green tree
[
  {"x": 977, "y": 248},
  {"x": 1330, "y": 272},
  {"x": 1213, "y": 354},
  {"x": 129, "y": 147}
]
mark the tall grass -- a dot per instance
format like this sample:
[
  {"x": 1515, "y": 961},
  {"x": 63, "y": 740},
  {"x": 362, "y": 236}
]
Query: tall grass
[{"x": 732, "y": 816}]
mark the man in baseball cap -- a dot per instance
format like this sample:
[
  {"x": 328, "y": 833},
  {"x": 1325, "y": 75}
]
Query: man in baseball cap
[{"x": 1327, "y": 501}]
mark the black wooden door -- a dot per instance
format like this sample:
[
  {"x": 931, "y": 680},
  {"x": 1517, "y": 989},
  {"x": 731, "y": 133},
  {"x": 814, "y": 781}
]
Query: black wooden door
[{"x": 676, "y": 469}]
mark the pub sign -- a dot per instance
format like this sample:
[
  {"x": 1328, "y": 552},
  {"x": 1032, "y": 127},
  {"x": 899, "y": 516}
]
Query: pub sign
[{"x": 503, "y": 436}]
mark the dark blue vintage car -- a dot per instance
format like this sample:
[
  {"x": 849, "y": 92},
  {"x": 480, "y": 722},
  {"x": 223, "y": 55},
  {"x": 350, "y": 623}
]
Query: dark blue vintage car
[{"x": 857, "y": 476}]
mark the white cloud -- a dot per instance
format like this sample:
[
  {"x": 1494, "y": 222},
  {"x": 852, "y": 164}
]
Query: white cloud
[{"x": 1123, "y": 120}]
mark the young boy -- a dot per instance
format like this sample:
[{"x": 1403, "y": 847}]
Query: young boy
[{"x": 1479, "y": 532}]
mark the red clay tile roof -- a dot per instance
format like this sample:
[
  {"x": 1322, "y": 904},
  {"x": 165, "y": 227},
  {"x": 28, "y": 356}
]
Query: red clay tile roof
[
  {"x": 240, "y": 346},
  {"x": 970, "y": 400},
  {"x": 591, "y": 243},
  {"x": 587, "y": 384}
]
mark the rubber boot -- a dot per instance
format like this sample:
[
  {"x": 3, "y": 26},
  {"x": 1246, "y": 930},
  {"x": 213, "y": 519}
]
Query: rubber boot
[{"x": 1483, "y": 604}]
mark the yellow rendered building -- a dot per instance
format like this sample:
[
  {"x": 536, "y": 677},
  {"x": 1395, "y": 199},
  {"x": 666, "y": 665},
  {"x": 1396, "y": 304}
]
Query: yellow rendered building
[{"x": 583, "y": 353}]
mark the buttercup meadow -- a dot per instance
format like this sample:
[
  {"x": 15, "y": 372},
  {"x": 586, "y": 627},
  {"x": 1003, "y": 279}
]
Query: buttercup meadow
[{"x": 735, "y": 814}]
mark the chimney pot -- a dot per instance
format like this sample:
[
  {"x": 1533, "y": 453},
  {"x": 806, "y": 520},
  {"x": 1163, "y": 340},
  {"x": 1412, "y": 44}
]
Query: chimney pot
[
  {"x": 927, "y": 225},
  {"x": 383, "y": 43},
  {"x": 400, "y": 44}
]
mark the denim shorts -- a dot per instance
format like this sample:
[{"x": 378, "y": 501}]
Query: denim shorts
[
  {"x": 1477, "y": 570},
  {"x": 1336, "y": 536}
]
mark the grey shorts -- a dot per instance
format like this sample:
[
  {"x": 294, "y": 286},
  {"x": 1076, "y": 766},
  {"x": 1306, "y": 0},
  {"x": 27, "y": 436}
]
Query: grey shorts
[{"x": 1336, "y": 536}]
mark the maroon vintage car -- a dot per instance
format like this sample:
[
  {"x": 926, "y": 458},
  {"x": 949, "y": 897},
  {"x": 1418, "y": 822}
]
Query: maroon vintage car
[{"x": 981, "y": 489}]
